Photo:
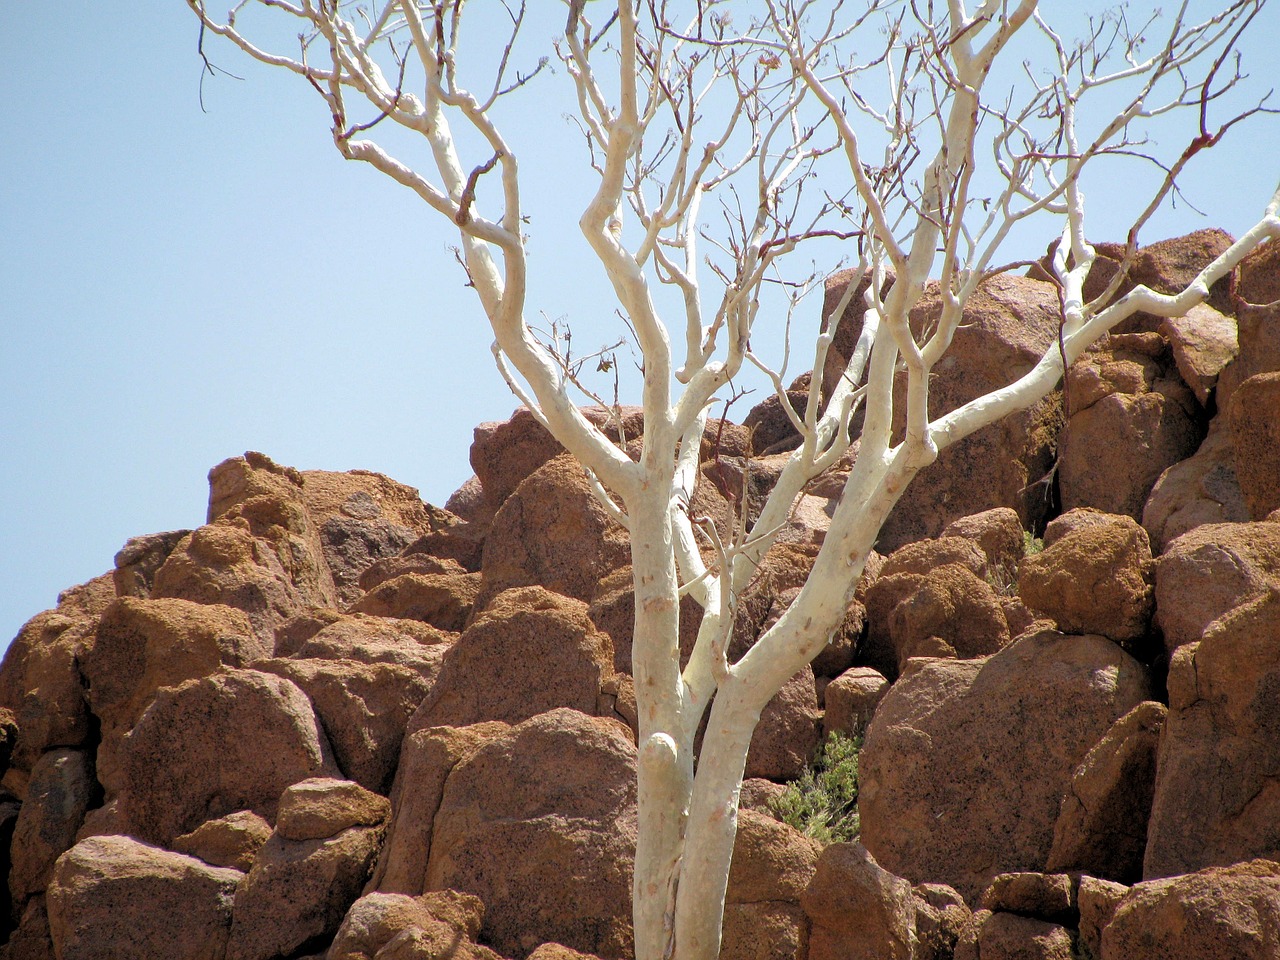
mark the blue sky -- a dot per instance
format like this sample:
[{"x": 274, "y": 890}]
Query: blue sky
[{"x": 179, "y": 286}]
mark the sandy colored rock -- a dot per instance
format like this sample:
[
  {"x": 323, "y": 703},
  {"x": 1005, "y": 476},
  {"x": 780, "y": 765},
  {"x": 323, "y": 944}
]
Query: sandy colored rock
[
  {"x": 1215, "y": 914},
  {"x": 1097, "y": 900},
  {"x": 556, "y": 951},
  {"x": 941, "y": 918},
  {"x": 61, "y": 791},
  {"x": 966, "y": 761},
  {"x": 1217, "y": 792},
  {"x": 381, "y": 571},
  {"x": 1254, "y": 417},
  {"x": 1210, "y": 571},
  {"x": 851, "y": 700},
  {"x": 440, "y": 599},
  {"x": 1101, "y": 829},
  {"x": 426, "y": 759},
  {"x": 321, "y": 807},
  {"x": 1201, "y": 489},
  {"x": 859, "y": 910},
  {"x": 1203, "y": 341},
  {"x": 113, "y": 898},
  {"x": 924, "y": 556},
  {"x": 1043, "y": 896},
  {"x": 384, "y": 926},
  {"x": 203, "y": 749},
  {"x": 298, "y": 892},
  {"x": 138, "y": 560},
  {"x": 540, "y": 825},
  {"x": 1009, "y": 936},
  {"x": 231, "y": 841},
  {"x": 1097, "y": 579},
  {"x": 365, "y": 639},
  {"x": 1259, "y": 338}
]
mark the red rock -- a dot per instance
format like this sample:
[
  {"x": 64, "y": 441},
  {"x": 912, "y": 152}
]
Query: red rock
[
  {"x": 387, "y": 926},
  {"x": 321, "y": 807},
  {"x": 924, "y": 556},
  {"x": 1042, "y": 896},
  {"x": 540, "y": 825},
  {"x": 1215, "y": 914},
  {"x": 1201, "y": 489},
  {"x": 1217, "y": 800},
  {"x": 138, "y": 560},
  {"x": 1009, "y": 936},
  {"x": 770, "y": 426},
  {"x": 786, "y": 737},
  {"x": 997, "y": 532},
  {"x": 966, "y": 761},
  {"x": 948, "y": 612},
  {"x": 231, "y": 841},
  {"x": 113, "y": 898},
  {"x": 381, "y": 571},
  {"x": 1102, "y": 827},
  {"x": 1204, "y": 341},
  {"x": 366, "y": 639},
  {"x": 1096, "y": 579},
  {"x": 1254, "y": 417},
  {"x": 440, "y": 599},
  {"x": 851, "y": 701},
  {"x": 1097, "y": 900},
  {"x": 772, "y": 865},
  {"x": 201, "y": 751},
  {"x": 941, "y": 918},
  {"x": 613, "y": 611},
  {"x": 1259, "y": 338},
  {"x": 1259, "y": 275},
  {"x": 859, "y": 910},
  {"x": 529, "y": 651},
  {"x": 61, "y": 791},
  {"x": 1210, "y": 571}
]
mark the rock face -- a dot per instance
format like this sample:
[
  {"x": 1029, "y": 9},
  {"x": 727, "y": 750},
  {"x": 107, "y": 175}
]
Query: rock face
[{"x": 966, "y": 761}]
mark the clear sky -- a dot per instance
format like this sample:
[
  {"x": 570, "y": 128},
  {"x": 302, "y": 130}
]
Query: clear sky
[{"x": 179, "y": 286}]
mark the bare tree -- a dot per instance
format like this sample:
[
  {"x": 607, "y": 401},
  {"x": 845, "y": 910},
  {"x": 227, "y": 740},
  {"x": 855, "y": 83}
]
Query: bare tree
[{"x": 721, "y": 138}]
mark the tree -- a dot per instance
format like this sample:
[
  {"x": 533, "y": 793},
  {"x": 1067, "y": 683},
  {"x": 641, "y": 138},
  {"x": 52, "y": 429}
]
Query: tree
[{"x": 722, "y": 138}]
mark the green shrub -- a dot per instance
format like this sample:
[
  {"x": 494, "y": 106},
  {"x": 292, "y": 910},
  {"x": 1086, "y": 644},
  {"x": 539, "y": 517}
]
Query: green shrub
[
  {"x": 823, "y": 803},
  {"x": 1031, "y": 544}
]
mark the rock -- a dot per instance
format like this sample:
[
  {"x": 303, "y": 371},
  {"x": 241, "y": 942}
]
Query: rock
[
  {"x": 231, "y": 841},
  {"x": 427, "y": 758},
  {"x": 353, "y": 545},
  {"x": 1042, "y": 896},
  {"x": 1254, "y": 417},
  {"x": 468, "y": 502},
  {"x": 925, "y": 556},
  {"x": 947, "y": 613},
  {"x": 786, "y": 737},
  {"x": 941, "y": 918},
  {"x": 198, "y": 752},
  {"x": 540, "y": 825},
  {"x": 966, "y": 761},
  {"x": 320, "y": 808},
  {"x": 363, "y": 708},
  {"x": 997, "y": 532},
  {"x": 859, "y": 910},
  {"x": 553, "y": 532},
  {"x": 1102, "y": 827},
  {"x": 365, "y": 639},
  {"x": 613, "y": 611},
  {"x": 851, "y": 700},
  {"x": 1228, "y": 912},
  {"x": 31, "y": 939},
  {"x": 113, "y": 898},
  {"x": 1259, "y": 337},
  {"x": 1204, "y": 341},
  {"x": 772, "y": 865},
  {"x": 1129, "y": 418},
  {"x": 528, "y": 652},
  {"x": 1008, "y": 936},
  {"x": 845, "y": 328},
  {"x": 1217, "y": 792},
  {"x": 759, "y": 794},
  {"x": 298, "y": 892},
  {"x": 61, "y": 792},
  {"x": 138, "y": 560},
  {"x": 381, "y": 571},
  {"x": 1201, "y": 489},
  {"x": 1097, "y": 900},
  {"x": 440, "y": 599},
  {"x": 1258, "y": 276},
  {"x": 1210, "y": 571},
  {"x": 1097, "y": 579},
  {"x": 463, "y": 543},
  {"x": 384, "y": 926},
  {"x": 770, "y": 426},
  {"x": 554, "y": 951}
]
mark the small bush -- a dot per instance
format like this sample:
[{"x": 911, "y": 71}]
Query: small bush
[
  {"x": 1031, "y": 544},
  {"x": 823, "y": 803}
]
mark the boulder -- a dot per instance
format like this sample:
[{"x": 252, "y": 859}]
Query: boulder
[
  {"x": 1254, "y": 417},
  {"x": 390, "y": 926},
  {"x": 948, "y": 612},
  {"x": 1217, "y": 791},
  {"x": 941, "y": 919},
  {"x": 297, "y": 893},
  {"x": 1259, "y": 336},
  {"x": 1097, "y": 900},
  {"x": 770, "y": 426},
  {"x": 1042, "y": 896},
  {"x": 1101, "y": 829},
  {"x": 231, "y": 841},
  {"x": 138, "y": 560},
  {"x": 1214, "y": 914},
  {"x": 552, "y": 532},
  {"x": 61, "y": 791},
  {"x": 540, "y": 825},
  {"x": 528, "y": 652},
  {"x": 1010, "y": 936},
  {"x": 1203, "y": 341},
  {"x": 1201, "y": 489},
  {"x": 613, "y": 611},
  {"x": 1210, "y": 571},
  {"x": 1258, "y": 276},
  {"x": 444, "y": 600},
  {"x": 924, "y": 556},
  {"x": 113, "y": 898},
  {"x": 365, "y": 639},
  {"x": 786, "y": 737},
  {"x": 31, "y": 939},
  {"x": 851, "y": 701},
  {"x": 321, "y": 807},
  {"x": 998, "y": 533},
  {"x": 426, "y": 760},
  {"x": 772, "y": 865},
  {"x": 381, "y": 571},
  {"x": 1097, "y": 579},
  {"x": 966, "y": 761},
  {"x": 1129, "y": 418},
  {"x": 859, "y": 910},
  {"x": 205, "y": 748}
]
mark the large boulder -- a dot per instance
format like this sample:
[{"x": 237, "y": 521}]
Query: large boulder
[
  {"x": 392, "y": 926},
  {"x": 230, "y": 841},
  {"x": 530, "y": 651},
  {"x": 1198, "y": 490},
  {"x": 1210, "y": 571},
  {"x": 113, "y": 898},
  {"x": 787, "y": 735},
  {"x": 772, "y": 866},
  {"x": 138, "y": 560},
  {"x": 1254, "y": 417},
  {"x": 365, "y": 639},
  {"x": 444, "y": 600},
  {"x": 1259, "y": 337},
  {"x": 859, "y": 910},
  {"x": 1129, "y": 418},
  {"x": 966, "y": 761},
  {"x": 1225, "y": 913},
  {"x": 540, "y": 825},
  {"x": 60, "y": 793},
  {"x": 205, "y": 748},
  {"x": 1217, "y": 793}
]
